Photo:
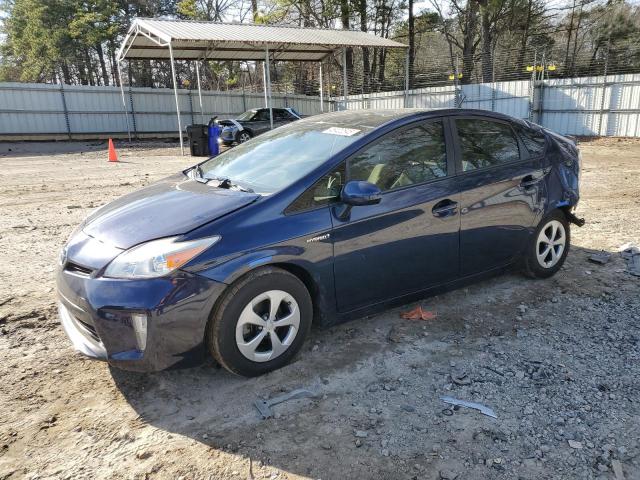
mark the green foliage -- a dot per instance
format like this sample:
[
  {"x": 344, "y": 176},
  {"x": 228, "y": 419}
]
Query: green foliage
[
  {"x": 187, "y": 9},
  {"x": 93, "y": 22},
  {"x": 37, "y": 37},
  {"x": 76, "y": 40}
]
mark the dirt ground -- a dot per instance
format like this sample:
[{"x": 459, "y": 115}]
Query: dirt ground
[{"x": 557, "y": 360}]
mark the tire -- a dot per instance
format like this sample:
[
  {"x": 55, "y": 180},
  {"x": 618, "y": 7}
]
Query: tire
[
  {"x": 239, "y": 336},
  {"x": 243, "y": 136},
  {"x": 543, "y": 259}
]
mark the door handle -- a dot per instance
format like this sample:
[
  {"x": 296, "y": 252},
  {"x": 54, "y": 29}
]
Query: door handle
[
  {"x": 445, "y": 208},
  {"x": 528, "y": 182}
]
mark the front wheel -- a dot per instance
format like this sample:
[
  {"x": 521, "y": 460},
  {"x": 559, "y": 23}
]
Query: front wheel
[
  {"x": 260, "y": 323},
  {"x": 244, "y": 136},
  {"x": 550, "y": 246}
]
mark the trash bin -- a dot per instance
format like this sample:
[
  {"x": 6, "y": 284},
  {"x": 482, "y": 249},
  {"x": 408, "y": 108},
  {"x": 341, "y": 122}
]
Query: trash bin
[
  {"x": 197, "y": 134},
  {"x": 214, "y": 134}
]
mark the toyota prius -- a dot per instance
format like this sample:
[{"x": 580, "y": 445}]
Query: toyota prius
[{"x": 328, "y": 218}]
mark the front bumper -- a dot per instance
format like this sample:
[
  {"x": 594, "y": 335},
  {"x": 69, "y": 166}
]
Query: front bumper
[
  {"x": 228, "y": 135},
  {"x": 99, "y": 317}
]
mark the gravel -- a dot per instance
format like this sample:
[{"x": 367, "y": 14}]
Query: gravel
[{"x": 557, "y": 360}]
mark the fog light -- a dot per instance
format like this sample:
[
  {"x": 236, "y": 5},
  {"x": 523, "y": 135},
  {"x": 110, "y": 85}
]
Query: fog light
[{"x": 139, "y": 322}]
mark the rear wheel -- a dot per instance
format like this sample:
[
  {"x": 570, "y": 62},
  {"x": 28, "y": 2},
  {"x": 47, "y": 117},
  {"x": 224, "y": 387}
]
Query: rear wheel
[
  {"x": 550, "y": 246},
  {"x": 243, "y": 136},
  {"x": 261, "y": 322}
]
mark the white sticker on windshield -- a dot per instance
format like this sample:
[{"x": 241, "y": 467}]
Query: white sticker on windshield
[{"x": 344, "y": 132}]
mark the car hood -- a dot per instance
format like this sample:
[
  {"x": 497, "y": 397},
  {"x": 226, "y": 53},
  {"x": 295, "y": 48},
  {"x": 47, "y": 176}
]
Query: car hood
[
  {"x": 172, "y": 206},
  {"x": 230, "y": 123}
]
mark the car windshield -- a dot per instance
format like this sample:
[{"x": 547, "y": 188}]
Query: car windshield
[
  {"x": 248, "y": 115},
  {"x": 276, "y": 159}
]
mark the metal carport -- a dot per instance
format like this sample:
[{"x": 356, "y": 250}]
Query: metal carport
[{"x": 201, "y": 41}]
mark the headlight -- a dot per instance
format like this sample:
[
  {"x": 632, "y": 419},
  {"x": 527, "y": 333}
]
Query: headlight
[{"x": 156, "y": 258}]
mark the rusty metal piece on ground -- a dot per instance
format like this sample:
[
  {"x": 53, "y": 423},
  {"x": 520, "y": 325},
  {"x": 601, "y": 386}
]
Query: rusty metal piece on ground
[
  {"x": 601, "y": 257},
  {"x": 616, "y": 465},
  {"x": 631, "y": 254},
  {"x": 476, "y": 406},
  {"x": 461, "y": 379},
  {"x": 418, "y": 313},
  {"x": 264, "y": 406}
]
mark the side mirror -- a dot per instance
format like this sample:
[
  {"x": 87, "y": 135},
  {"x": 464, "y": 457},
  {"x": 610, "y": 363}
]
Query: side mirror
[{"x": 358, "y": 193}]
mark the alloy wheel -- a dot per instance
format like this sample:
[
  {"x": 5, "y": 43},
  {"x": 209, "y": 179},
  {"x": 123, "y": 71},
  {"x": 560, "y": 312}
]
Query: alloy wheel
[
  {"x": 267, "y": 326},
  {"x": 551, "y": 243},
  {"x": 243, "y": 137}
]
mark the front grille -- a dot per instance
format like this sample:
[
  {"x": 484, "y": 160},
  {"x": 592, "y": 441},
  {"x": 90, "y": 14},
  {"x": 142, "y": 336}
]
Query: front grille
[{"x": 78, "y": 269}]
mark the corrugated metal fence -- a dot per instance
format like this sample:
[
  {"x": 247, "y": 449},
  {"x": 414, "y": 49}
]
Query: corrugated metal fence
[
  {"x": 586, "y": 106},
  {"x": 44, "y": 111}
]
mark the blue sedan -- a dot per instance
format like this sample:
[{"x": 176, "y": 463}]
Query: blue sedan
[{"x": 328, "y": 218}]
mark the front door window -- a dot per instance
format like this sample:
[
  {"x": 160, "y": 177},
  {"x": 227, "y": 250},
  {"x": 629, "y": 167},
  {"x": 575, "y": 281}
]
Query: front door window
[{"x": 410, "y": 156}]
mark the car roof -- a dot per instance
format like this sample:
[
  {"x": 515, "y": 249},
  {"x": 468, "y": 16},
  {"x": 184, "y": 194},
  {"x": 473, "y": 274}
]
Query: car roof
[{"x": 373, "y": 118}]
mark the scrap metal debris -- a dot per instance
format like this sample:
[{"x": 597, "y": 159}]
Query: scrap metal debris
[
  {"x": 476, "y": 406},
  {"x": 418, "y": 314},
  {"x": 631, "y": 253},
  {"x": 460, "y": 379},
  {"x": 264, "y": 406},
  {"x": 6, "y": 300},
  {"x": 616, "y": 465},
  {"x": 601, "y": 257}
]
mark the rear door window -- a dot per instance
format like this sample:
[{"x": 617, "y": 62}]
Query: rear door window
[{"x": 485, "y": 143}]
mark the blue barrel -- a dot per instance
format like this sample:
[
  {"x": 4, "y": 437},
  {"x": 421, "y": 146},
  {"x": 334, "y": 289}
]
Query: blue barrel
[{"x": 214, "y": 135}]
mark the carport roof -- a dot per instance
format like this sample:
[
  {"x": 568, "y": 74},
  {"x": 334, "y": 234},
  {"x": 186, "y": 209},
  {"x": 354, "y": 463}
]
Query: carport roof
[{"x": 195, "y": 40}]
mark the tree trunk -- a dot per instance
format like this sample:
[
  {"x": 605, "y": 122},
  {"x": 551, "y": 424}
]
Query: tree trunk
[
  {"x": 412, "y": 46},
  {"x": 382, "y": 58},
  {"x": 468, "y": 45},
  {"x": 87, "y": 58},
  {"x": 66, "y": 77},
  {"x": 569, "y": 34},
  {"x": 344, "y": 17},
  {"x": 103, "y": 65},
  {"x": 254, "y": 10},
  {"x": 365, "y": 51},
  {"x": 575, "y": 41},
  {"x": 115, "y": 67},
  {"x": 525, "y": 36},
  {"x": 82, "y": 71},
  {"x": 487, "y": 40}
]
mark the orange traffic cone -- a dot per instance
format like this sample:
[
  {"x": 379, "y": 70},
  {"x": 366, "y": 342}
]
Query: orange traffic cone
[{"x": 113, "y": 156}]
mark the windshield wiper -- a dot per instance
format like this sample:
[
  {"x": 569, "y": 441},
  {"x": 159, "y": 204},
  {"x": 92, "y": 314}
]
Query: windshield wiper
[{"x": 228, "y": 184}]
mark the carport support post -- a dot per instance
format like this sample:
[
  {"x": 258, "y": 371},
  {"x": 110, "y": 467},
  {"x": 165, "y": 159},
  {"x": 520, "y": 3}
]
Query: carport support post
[
  {"x": 321, "y": 97},
  {"x": 124, "y": 103},
  {"x": 268, "y": 76},
  {"x": 199, "y": 91},
  {"x": 175, "y": 92},
  {"x": 406, "y": 80},
  {"x": 344, "y": 75},
  {"x": 264, "y": 83}
]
